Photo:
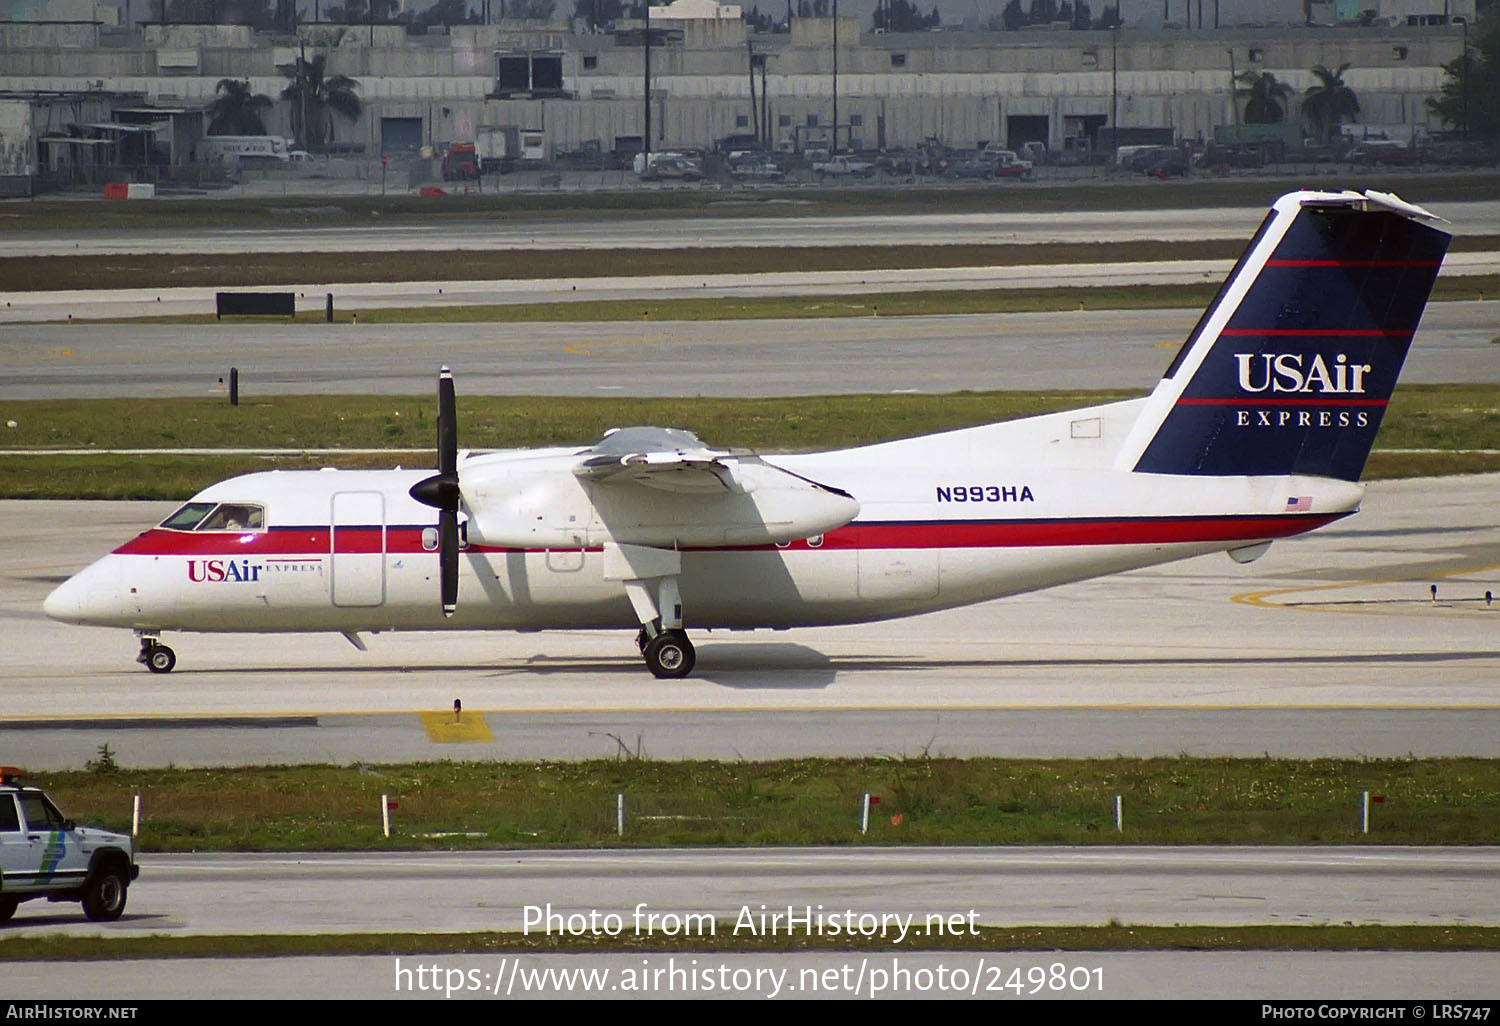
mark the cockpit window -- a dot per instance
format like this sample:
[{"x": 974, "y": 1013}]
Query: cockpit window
[
  {"x": 225, "y": 516},
  {"x": 234, "y": 516},
  {"x": 188, "y": 517}
]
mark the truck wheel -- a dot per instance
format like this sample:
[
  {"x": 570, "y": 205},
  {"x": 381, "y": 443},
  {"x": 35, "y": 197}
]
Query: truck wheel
[
  {"x": 104, "y": 895},
  {"x": 8, "y": 908}
]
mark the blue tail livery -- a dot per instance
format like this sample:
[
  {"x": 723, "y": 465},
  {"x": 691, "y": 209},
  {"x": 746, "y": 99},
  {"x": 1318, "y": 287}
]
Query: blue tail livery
[{"x": 1290, "y": 369}]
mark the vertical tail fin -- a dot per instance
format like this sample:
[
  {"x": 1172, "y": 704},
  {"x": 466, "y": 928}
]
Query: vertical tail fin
[{"x": 1290, "y": 368}]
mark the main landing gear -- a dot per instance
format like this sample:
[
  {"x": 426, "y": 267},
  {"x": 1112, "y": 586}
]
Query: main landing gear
[
  {"x": 669, "y": 653},
  {"x": 157, "y": 657},
  {"x": 650, "y": 578}
]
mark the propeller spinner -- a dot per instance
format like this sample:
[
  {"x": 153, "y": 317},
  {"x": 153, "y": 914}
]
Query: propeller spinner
[{"x": 442, "y": 493}]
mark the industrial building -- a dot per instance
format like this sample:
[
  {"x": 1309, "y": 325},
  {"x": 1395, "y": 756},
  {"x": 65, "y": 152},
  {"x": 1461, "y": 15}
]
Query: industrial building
[{"x": 79, "y": 94}]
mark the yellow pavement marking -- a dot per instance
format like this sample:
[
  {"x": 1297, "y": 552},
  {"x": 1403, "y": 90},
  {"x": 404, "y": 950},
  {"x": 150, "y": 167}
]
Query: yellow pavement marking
[
  {"x": 187, "y": 717},
  {"x": 444, "y": 728},
  {"x": 1266, "y": 599}
]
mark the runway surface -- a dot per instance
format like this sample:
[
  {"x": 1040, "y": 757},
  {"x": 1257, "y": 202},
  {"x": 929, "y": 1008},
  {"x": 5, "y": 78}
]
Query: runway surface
[
  {"x": 890, "y": 894},
  {"x": 80, "y": 306},
  {"x": 1009, "y": 976},
  {"x": 1070, "y": 349},
  {"x": 614, "y": 232},
  {"x": 1204, "y": 656},
  {"x": 454, "y": 892}
]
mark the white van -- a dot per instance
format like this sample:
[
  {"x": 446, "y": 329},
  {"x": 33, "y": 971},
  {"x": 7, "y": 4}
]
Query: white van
[{"x": 233, "y": 149}]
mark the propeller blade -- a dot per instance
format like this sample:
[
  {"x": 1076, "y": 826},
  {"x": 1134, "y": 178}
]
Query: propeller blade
[
  {"x": 447, "y": 428},
  {"x": 448, "y": 559},
  {"x": 441, "y": 491}
]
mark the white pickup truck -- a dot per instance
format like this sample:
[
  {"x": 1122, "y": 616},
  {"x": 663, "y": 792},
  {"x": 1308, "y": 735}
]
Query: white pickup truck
[{"x": 843, "y": 167}]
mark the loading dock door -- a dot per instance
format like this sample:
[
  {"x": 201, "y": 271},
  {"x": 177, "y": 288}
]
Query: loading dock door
[{"x": 400, "y": 135}]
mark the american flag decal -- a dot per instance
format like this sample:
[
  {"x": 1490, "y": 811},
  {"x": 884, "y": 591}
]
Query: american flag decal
[{"x": 1299, "y": 504}]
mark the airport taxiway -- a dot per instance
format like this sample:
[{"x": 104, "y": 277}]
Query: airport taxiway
[
  {"x": 787, "y": 229},
  {"x": 1073, "y": 349},
  {"x": 455, "y": 892},
  {"x": 1310, "y": 977}
]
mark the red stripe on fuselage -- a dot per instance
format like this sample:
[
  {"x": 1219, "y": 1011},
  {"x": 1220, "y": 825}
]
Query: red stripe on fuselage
[
  {"x": 1353, "y": 263},
  {"x": 1202, "y": 401},
  {"x": 1320, "y": 332},
  {"x": 926, "y": 534}
]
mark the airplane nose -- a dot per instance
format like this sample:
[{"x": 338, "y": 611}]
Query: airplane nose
[{"x": 66, "y": 601}]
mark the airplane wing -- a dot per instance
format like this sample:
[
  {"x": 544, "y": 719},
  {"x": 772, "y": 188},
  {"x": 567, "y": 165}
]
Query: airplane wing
[
  {"x": 667, "y": 471},
  {"x": 667, "y": 459}
]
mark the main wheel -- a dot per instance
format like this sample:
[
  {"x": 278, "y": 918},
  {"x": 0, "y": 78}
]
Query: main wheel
[
  {"x": 8, "y": 908},
  {"x": 670, "y": 654},
  {"x": 104, "y": 895},
  {"x": 161, "y": 659}
]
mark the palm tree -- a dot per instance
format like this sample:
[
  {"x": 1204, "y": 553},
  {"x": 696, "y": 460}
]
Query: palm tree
[
  {"x": 1265, "y": 97},
  {"x": 235, "y": 111},
  {"x": 1329, "y": 102},
  {"x": 316, "y": 98}
]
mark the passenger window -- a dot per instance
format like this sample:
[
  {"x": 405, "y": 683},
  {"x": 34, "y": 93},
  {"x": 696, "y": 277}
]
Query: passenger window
[
  {"x": 40, "y": 813},
  {"x": 188, "y": 517},
  {"x": 232, "y": 516},
  {"x": 10, "y": 823}
]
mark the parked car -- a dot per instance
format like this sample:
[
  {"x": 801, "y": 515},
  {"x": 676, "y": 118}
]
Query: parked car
[
  {"x": 1382, "y": 153},
  {"x": 680, "y": 169},
  {"x": 1008, "y": 165},
  {"x": 903, "y": 163},
  {"x": 1168, "y": 165},
  {"x": 843, "y": 167},
  {"x": 971, "y": 167},
  {"x": 755, "y": 167}
]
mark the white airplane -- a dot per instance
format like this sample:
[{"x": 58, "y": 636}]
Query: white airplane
[{"x": 1259, "y": 430}]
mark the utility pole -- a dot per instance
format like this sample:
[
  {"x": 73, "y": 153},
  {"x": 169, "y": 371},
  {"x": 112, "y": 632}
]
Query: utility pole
[
  {"x": 765, "y": 111},
  {"x": 754, "y": 111},
  {"x": 1464, "y": 81},
  {"x": 835, "y": 77},
  {"x": 302, "y": 93},
  {"x": 1233, "y": 100},
  {"x": 646, "y": 138},
  {"x": 1114, "y": 91}
]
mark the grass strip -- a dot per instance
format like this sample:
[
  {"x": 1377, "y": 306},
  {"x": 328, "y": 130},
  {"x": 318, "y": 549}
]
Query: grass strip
[
  {"x": 505, "y": 202},
  {"x": 924, "y": 801},
  {"x": 1111, "y": 937},
  {"x": 1451, "y": 419}
]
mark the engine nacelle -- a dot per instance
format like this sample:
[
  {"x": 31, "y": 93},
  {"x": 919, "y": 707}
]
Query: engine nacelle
[{"x": 535, "y": 504}]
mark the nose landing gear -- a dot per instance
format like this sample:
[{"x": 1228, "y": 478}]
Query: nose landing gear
[{"x": 157, "y": 657}]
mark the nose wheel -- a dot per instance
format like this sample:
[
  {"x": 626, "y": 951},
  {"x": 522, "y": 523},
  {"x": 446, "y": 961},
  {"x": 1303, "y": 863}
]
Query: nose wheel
[{"x": 157, "y": 657}]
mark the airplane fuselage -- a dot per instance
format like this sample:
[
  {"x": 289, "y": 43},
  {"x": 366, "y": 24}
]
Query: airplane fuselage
[{"x": 351, "y": 551}]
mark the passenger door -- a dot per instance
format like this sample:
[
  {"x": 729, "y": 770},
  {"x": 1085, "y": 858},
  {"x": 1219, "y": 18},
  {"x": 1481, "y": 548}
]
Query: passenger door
[{"x": 357, "y": 549}]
